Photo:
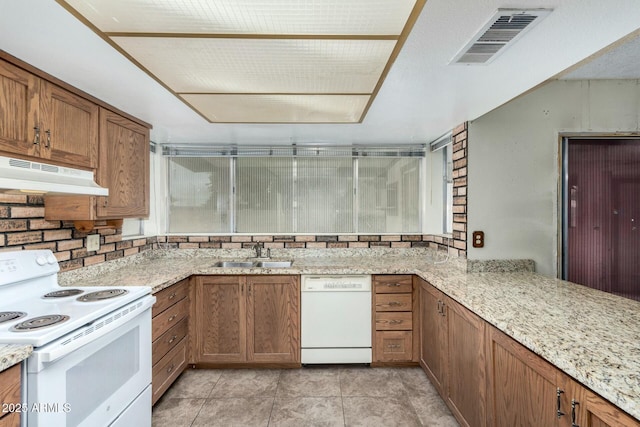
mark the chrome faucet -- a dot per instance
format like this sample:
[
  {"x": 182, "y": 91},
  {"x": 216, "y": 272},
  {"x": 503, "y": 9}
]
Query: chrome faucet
[{"x": 258, "y": 248}]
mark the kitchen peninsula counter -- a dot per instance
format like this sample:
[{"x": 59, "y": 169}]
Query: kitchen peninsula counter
[{"x": 590, "y": 335}]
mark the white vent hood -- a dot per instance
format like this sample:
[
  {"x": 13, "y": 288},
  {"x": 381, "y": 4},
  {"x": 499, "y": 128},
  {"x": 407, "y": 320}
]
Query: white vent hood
[{"x": 23, "y": 176}]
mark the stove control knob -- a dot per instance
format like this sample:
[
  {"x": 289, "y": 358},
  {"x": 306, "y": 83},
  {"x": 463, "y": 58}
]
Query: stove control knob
[
  {"x": 51, "y": 259},
  {"x": 41, "y": 260}
]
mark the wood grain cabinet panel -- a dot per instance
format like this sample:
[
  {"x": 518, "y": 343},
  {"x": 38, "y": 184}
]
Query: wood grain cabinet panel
[
  {"x": 19, "y": 106},
  {"x": 246, "y": 319},
  {"x": 219, "y": 319},
  {"x": 124, "y": 167},
  {"x": 40, "y": 119},
  {"x": 394, "y": 320},
  {"x": 452, "y": 354},
  {"x": 10, "y": 393},
  {"x": 69, "y": 127},
  {"x": 170, "y": 336},
  {"x": 273, "y": 319}
]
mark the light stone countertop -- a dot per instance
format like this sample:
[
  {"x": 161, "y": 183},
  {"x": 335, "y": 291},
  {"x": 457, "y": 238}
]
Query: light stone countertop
[
  {"x": 591, "y": 335},
  {"x": 13, "y": 354}
]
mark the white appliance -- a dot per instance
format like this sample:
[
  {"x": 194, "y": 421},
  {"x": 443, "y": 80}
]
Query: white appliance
[
  {"x": 91, "y": 364},
  {"x": 336, "y": 319},
  {"x": 17, "y": 175}
]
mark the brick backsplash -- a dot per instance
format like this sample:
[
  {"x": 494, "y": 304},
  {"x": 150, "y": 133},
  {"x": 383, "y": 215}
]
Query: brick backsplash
[{"x": 22, "y": 226}]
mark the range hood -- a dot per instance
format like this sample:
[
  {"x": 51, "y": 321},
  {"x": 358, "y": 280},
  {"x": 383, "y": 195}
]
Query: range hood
[{"x": 24, "y": 176}]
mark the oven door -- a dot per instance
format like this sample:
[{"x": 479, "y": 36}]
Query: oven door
[{"x": 93, "y": 384}]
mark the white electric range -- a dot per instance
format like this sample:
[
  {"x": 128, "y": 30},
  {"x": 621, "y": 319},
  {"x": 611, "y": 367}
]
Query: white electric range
[{"x": 91, "y": 364}]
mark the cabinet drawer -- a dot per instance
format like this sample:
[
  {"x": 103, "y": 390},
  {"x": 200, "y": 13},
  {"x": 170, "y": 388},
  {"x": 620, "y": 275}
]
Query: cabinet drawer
[
  {"x": 165, "y": 320},
  {"x": 169, "y": 296},
  {"x": 10, "y": 385},
  {"x": 394, "y": 346},
  {"x": 392, "y": 284},
  {"x": 393, "y": 302},
  {"x": 168, "y": 369},
  {"x": 169, "y": 339},
  {"x": 394, "y": 321}
]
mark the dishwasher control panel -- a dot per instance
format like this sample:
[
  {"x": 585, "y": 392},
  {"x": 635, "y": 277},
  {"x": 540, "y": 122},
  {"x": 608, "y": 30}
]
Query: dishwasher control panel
[{"x": 360, "y": 283}]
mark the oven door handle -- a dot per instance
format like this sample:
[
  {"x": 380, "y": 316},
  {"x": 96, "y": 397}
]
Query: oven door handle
[{"x": 91, "y": 331}]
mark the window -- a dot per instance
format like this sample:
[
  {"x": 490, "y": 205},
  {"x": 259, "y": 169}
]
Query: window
[{"x": 320, "y": 194}]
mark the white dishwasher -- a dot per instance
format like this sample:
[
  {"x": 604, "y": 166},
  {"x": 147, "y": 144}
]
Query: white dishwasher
[{"x": 336, "y": 319}]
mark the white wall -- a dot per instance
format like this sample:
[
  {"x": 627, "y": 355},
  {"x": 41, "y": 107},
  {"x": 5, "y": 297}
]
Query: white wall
[{"x": 514, "y": 163}]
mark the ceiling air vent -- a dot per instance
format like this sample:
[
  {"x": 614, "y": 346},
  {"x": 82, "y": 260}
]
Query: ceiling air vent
[{"x": 503, "y": 29}]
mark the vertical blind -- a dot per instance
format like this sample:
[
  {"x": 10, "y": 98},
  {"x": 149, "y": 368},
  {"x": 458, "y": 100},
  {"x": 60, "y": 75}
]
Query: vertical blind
[{"x": 294, "y": 194}]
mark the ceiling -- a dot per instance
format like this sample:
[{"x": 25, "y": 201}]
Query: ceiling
[{"x": 422, "y": 97}]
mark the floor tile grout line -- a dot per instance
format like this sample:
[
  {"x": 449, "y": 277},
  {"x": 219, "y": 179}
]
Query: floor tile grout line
[{"x": 273, "y": 404}]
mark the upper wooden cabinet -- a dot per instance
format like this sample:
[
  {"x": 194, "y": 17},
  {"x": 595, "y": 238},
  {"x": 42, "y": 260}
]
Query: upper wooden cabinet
[
  {"x": 123, "y": 168},
  {"x": 42, "y": 120}
]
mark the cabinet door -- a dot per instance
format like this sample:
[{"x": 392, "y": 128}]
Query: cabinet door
[
  {"x": 521, "y": 387},
  {"x": 273, "y": 326},
  {"x": 466, "y": 382},
  {"x": 19, "y": 102},
  {"x": 124, "y": 167},
  {"x": 433, "y": 335},
  {"x": 584, "y": 408},
  {"x": 219, "y": 319},
  {"x": 69, "y": 127}
]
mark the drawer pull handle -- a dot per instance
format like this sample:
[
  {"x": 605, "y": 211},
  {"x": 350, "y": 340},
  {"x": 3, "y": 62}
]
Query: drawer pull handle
[
  {"x": 394, "y": 303},
  {"x": 48, "y": 143},
  {"x": 559, "y": 392},
  {"x": 36, "y": 137},
  {"x": 393, "y": 285},
  {"x": 393, "y": 346},
  {"x": 172, "y": 317},
  {"x": 395, "y": 322},
  {"x": 170, "y": 368},
  {"x": 173, "y": 338},
  {"x": 172, "y": 296},
  {"x": 574, "y": 403}
]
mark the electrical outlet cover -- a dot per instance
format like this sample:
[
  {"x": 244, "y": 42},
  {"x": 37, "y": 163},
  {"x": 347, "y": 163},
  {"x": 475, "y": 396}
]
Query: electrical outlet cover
[{"x": 93, "y": 242}]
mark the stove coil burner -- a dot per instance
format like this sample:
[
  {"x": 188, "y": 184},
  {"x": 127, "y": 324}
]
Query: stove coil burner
[
  {"x": 63, "y": 293},
  {"x": 39, "y": 322},
  {"x": 101, "y": 295},
  {"x": 6, "y": 316}
]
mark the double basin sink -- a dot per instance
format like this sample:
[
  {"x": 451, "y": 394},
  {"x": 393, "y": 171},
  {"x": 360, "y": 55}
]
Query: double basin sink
[{"x": 251, "y": 264}]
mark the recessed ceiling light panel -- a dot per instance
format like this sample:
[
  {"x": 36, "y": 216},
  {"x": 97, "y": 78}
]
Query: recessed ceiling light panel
[
  {"x": 262, "y": 65},
  {"x": 247, "y": 16}
]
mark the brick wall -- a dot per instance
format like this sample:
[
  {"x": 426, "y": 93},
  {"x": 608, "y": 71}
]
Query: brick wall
[
  {"x": 460, "y": 140},
  {"x": 22, "y": 226}
]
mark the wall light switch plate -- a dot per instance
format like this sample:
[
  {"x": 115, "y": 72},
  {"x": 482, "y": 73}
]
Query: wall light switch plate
[{"x": 93, "y": 242}]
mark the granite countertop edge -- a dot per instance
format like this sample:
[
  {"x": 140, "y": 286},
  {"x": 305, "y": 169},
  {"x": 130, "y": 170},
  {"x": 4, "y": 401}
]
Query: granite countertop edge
[{"x": 560, "y": 321}]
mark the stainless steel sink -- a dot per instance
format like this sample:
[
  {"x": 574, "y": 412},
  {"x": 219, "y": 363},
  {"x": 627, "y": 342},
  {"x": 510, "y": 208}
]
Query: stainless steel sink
[
  {"x": 273, "y": 264},
  {"x": 232, "y": 264},
  {"x": 249, "y": 264}
]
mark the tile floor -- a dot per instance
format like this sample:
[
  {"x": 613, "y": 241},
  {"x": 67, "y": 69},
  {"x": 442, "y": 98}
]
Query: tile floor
[{"x": 316, "y": 396}]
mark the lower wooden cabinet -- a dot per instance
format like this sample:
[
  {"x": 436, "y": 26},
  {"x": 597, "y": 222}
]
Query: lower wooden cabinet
[
  {"x": 246, "y": 319},
  {"x": 525, "y": 390},
  {"x": 170, "y": 338},
  {"x": 452, "y": 354},
  {"x": 395, "y": 320},
  {"x": 10, "y": 395}
]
